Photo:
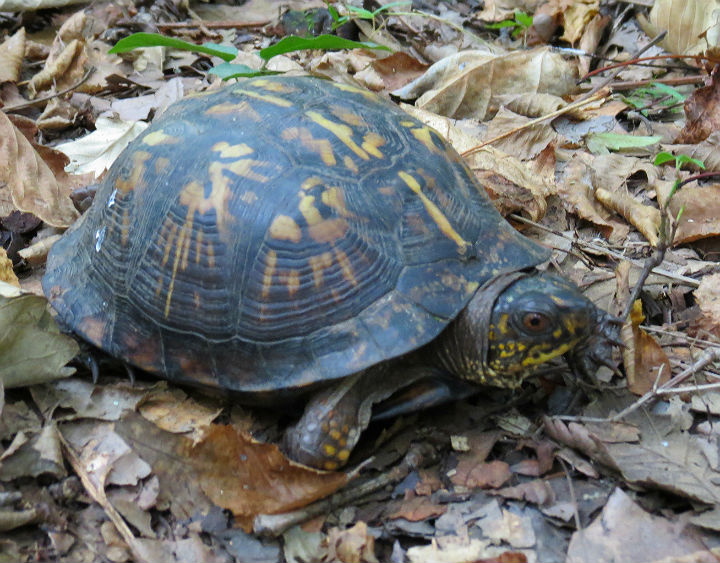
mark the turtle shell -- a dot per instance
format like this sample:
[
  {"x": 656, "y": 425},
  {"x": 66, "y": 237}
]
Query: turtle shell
[{"x": 276, "y": 233}]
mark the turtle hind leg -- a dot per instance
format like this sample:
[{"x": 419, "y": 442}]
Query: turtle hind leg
[{"x": 335, "y": 417}]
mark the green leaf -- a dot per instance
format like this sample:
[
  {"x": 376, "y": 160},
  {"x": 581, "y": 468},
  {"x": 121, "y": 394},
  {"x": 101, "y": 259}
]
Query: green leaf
[
  {"x": 523, "y": 19},
  {"x": 362, "y": 13},
  {"x": 601, "y": 143},
  {"x": 325, "y": 42},
  {"x": 500, "y": 25},
  {"x": 683, "y": 159},
  {"x": 391, "y": 5},
  {"x": 662, "y": 158},
  {"x": 230, "y": 70},
  {"x": 138, "y": 40}
]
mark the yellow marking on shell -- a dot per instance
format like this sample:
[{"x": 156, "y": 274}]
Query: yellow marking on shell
[
  {"x": 355, "y": 90},
  {"x": 161, "y": 164},
  {"x": 320, "y": 229},
  {"x": 340, "y": 130},
  {"x": 334, "y": 197},
  {"x": 343, "y": 455},
  {"x": 272, "y": 85},
  {"x": 159, "y": 137},
  {"x": 371, "y": 142},
  {"x": 139, "y": 158},
  {"x": 345, "y": 266},
  {"x": 172, "y": 231},
  {"x": 270, "y": 263},
  {"x": 434, "y": 211},
  {"x": 125, "y": 229},
  {"x": 227, "y": 150},
  {"x": 210, "y": 251},
  {"x": 198, "y": 246},
  {"x": 196, "y": 299},
  {"x": 424, "y": 135},
  {"x": 347, "y": 116},
  {"x": 159, "y": 285},
  {"x": 386, "y": 190},
  {"x": 335, "y": 434},
  {"x": 284, "y": 227},
  {"x": 318, "y": 264},
  {"x": 270, "y": 99},
  {"x": 311, "y": 182},
  {"x": 229, "y": 108},
  {"x": 322, "y": 147},
  {"x": 329, "y": 450},
  {"x": 292, "y": 280},
  {"x": 241, "y": 167},
  {"x": 350, "y": 164},
  {"x": 408, "y": 123}
]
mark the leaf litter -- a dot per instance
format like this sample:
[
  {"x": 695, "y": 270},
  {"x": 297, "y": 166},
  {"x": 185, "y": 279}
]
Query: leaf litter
[{"x": 145, "y": 471}]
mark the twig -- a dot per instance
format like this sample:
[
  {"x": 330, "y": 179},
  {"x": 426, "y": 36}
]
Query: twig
[
  {"x": 633, "y": 84},
  {"x": 211, "y": 25},
  {"x": 276, "y": 524},
  {"x": 97, "y": 493},
  {"x": 570, "y": 107},
  {"x": 708, "y": 357},
  {"x": 607, "y": 252},
  {"x": 39, "y": 101}
]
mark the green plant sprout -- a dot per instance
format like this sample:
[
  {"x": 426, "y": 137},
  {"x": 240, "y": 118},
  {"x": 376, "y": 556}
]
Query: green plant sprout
[
  {"x": 666, "y": 96},
  {"x": 227, "y": 53},
  {"x": 680, "y": 160},
  {"x": 521, "y": 22},
  {"x": 361, "y": 13}
]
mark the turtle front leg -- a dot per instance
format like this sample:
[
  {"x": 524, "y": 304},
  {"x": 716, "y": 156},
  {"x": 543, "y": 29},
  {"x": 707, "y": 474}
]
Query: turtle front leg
[{"x": 335, "y": 417}]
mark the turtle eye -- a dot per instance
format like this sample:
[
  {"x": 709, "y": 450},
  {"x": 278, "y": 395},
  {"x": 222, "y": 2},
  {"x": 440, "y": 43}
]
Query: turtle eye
[{"x": 535, "y": 322}]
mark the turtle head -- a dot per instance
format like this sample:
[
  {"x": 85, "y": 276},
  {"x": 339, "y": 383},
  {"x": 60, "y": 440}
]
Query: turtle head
[{"x": 520, "y": 321}]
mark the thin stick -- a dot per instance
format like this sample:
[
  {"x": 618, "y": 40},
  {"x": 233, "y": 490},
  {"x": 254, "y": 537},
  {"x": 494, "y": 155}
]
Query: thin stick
[
  {"x": 39, "y": 101},
  {"x": 575, "y": 105}
]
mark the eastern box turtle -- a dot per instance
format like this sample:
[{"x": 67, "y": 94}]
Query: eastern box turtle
[{"x": 290, "y": 233}]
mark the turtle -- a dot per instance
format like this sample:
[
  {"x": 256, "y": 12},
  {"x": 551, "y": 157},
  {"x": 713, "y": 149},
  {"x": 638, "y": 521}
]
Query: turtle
[{"x": 290, "y": 236}]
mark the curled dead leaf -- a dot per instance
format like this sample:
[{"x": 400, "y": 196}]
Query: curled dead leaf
[
  {"x": 33, "y": 186},
  {"x": 646, "y": 364},
  {"x": 708, "y": 298},
  {"x": 12, "y": 52},
  {"x": 645, "y": 218}
]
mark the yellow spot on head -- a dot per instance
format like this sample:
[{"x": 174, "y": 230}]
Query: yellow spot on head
[
  {"x": 284, "y": 227},
  {"x": 227, "y": 150},
  {"x": 159, "y": 137},
  {"x": 435, "y": 214}
]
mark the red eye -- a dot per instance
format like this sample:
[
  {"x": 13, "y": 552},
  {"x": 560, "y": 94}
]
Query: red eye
[{"x": 535, "y": 322}]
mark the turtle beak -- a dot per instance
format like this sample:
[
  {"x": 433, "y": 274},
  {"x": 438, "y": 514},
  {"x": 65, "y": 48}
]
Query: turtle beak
[{"x": 596, "y": 351}]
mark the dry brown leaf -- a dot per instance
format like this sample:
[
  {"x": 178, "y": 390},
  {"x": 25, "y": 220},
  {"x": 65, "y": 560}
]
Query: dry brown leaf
[
  {"x": 33, "y": 186},
  {"x": 524, "y": 144},
  {"x": 472, "y": 474},
  {"x": 708, "y": 299},
  {"x": 625, "y": 532},
  {"x": 700, "y": 216},
  {"x": 62, "y": 71},
  {"x": 590, "y": 40},
  {"x": 398, "y": 69},
  {"x": 702, "y": 112},
  {"x": 537, "y": 491},
  {"x": 646, "y": 364},
  {"x": 174, "y": 411},
  {"x": 250, "y": 478},
  {"x": 466, "y": 84},
  {"x": 354, "y": 545},
  {"x": 12, "y": 52},
  {"x": 576, "y": 15},
  {"x": 644, "y": 218},
  {"x": 692, "y": 25},
  {"x": 416, "y": 509},
  {"x": 7, "y": 274}
]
